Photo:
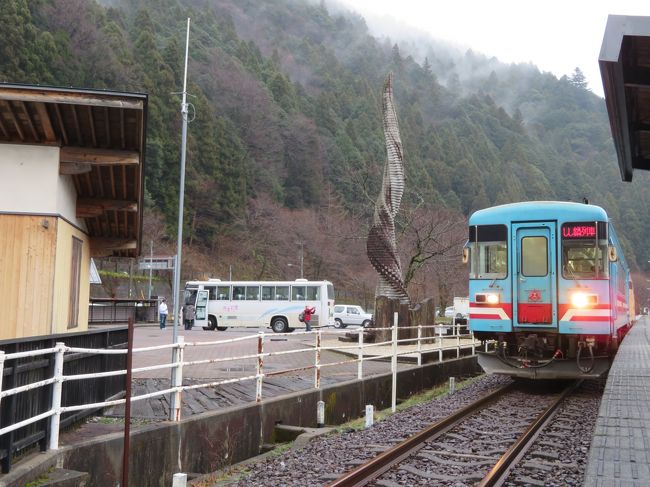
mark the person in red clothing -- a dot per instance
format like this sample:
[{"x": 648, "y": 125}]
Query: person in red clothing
[{"x": 309, "y": 310}]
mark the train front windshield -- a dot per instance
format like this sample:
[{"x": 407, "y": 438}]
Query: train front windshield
[
  {"x": 488, "y": 245},
  {"x": 584, "y": 250}
]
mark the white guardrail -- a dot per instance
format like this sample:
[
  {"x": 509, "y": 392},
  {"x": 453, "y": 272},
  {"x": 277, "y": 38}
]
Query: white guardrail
[{"x": 424, "y": 344}]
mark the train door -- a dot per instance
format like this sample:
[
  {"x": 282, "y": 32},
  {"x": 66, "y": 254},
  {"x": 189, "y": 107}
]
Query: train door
[{"x": 534, "y": 279}]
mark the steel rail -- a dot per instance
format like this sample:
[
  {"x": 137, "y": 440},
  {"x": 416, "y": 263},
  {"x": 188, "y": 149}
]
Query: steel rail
[
  {"x": 372, "y": 469},
  {"x": 497, "y": 475}
]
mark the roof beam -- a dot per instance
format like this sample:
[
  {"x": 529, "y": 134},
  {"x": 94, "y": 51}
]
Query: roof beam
[
  {"x": 44, "y": 96},
  {"x": 46, "y": 122},
  {"x": 15, "y": 121},
  {"x": 100, "y": 157},
  {"x": 93, "y": 207},
  {"x": 3, "y": 128},
  {"x": 61, "y": 126},
  {"x": 80, "y": 160},
  {"x": 92, "y": 126},
  {"x": 30, "y": 122},
  {"x": 102, "y": 247},
  {"x": 75, "y": 118}
]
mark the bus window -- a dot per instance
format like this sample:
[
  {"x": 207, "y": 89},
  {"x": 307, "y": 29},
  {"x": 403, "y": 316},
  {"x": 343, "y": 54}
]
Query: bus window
[
  {"x": 313, "y": 293},
  {"x": 238, "y": 293},
  {"x": 268, "y": 293},
  {"x": 223, "y": 293},
  {"x": 212, "y": 290},
  {"x": 282, "y": 293},
  {"x": 297, "y": 293},
  {"x": 252, "y": 293},
  {"x": 190, "y": 295}
]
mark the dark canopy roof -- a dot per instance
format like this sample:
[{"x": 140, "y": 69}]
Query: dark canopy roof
[
  {"x": 625, "y": 69},
  {"x": 102, "y": 139}
]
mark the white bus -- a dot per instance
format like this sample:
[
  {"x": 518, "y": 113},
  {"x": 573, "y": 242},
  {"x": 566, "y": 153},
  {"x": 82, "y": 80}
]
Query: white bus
[{"x": 222, "y": 304}]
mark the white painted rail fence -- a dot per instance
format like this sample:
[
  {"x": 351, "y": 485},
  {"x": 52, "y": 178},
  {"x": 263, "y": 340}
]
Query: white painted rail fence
[{"x": 423, "y": 345}]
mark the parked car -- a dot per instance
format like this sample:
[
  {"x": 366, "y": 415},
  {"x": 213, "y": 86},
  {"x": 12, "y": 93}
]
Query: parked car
[
  {"x": 449, "y": 312},
  {"x": 345, "y": 314}
]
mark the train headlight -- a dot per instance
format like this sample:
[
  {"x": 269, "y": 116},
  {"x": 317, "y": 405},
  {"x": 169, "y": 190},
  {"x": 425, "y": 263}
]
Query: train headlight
[
  {"x": 581, "y": 299},
  {"x": 489, "y": 298}
]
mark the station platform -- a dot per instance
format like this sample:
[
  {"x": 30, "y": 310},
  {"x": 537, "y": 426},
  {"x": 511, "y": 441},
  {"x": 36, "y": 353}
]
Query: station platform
[{"x": 620, "y": 449}]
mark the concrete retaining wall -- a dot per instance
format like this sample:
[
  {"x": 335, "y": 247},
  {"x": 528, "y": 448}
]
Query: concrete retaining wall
[{"x": 210, "y": 441}]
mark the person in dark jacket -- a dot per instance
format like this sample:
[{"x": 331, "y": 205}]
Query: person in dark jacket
[
  {"x": 188, "y": 311},
  {"x": 308, "y": 311}
]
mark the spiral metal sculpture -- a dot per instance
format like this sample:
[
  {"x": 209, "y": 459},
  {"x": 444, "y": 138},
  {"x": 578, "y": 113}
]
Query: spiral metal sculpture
[{"x": 381, "y": 245}]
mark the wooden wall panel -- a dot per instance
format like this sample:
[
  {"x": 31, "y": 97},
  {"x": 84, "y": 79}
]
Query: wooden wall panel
[{"x": 27, "y": 256}]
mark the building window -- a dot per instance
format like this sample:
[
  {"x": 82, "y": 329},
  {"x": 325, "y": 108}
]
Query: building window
[{"x": 75, "y": 276}]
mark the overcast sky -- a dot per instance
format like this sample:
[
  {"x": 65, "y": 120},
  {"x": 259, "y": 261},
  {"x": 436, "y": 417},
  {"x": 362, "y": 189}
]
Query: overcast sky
[{"x": 556, "y": 36}]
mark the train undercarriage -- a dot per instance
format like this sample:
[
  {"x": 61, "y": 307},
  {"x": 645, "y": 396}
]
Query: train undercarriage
[{"x": 548, "y": 355}]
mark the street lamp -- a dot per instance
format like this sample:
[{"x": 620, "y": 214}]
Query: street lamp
[
  {"x": 294, "y": 265},
  {"x": 302, "y": 255}
]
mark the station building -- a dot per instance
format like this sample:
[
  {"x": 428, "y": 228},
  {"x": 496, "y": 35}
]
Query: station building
[
  {"x": 625, "y": 70},
  {"x": 71, "y": 188}
]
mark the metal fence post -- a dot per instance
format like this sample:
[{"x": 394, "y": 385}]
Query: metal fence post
[
  {"x": 178, "y": 377},
  {"x": 260, "y": 367},
  {"x": 458, "y": 346},
  {"x": 2, "y": 369},
  {"x": 471, "y": 335},
  {"x": 440, "y": 345},
  {"x": 317, "y": 360},
  {"x": 419, "y": 345},
  {"x": 57, "y": 388},
  {"x": 360, "y": 356},
  {"x": 393, "y": 363}
]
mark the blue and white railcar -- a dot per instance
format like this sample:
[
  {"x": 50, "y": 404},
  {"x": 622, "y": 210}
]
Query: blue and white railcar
[{"x": 548, "y": 281}]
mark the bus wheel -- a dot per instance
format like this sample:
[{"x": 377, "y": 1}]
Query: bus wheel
[
  {"x": 213, "y": 323},
  {"x": 279, "y": 325}
]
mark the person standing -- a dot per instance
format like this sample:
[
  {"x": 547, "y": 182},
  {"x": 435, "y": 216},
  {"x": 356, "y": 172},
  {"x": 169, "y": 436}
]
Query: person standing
[
  {"x": 188, "y": 315},
  {"x": 309, "y": 310},
  {"x": 162, "y": 313}
]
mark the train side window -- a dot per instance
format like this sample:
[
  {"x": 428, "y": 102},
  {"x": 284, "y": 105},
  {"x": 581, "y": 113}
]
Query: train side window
[
  {"x": 488, "y": 251},
  {"x": 534, "y": 256}
]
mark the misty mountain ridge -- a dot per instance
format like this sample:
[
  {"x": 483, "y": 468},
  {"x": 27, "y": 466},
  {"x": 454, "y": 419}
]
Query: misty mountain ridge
[{"x": 287, "y": 144}]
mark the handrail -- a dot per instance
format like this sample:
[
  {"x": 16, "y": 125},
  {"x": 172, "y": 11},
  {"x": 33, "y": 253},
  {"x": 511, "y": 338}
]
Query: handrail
[{"x": 179, "y": 362}]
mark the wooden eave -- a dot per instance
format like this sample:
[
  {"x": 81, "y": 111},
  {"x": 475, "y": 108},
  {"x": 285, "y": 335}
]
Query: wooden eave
[
  {"x": 625, "y": 70},
  {"x": 102, "y": 139}
]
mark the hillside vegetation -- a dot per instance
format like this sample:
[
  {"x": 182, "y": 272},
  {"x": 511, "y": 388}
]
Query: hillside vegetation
[{"x": 285, "y": 146}]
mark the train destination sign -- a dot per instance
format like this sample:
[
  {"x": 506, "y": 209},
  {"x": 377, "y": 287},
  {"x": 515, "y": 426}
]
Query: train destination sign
[{"x": 578, "y": 230}]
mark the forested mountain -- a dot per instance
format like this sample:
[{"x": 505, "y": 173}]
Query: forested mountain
[{"x": 286, "y": 149}]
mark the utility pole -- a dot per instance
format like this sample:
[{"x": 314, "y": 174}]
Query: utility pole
[
  {"x": 181, "y": 193},
  {"x": 302, "y": 257},
  {"x": 150, "y": 267},
  {"x": 179, "y": 242}
]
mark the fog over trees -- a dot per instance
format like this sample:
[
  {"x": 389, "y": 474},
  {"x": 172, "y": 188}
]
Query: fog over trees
[{"x": 286, "y": 145}]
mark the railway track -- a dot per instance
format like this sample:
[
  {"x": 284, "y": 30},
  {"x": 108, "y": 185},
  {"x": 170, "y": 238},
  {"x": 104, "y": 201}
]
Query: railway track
[{"x": 460, "y": 446}]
